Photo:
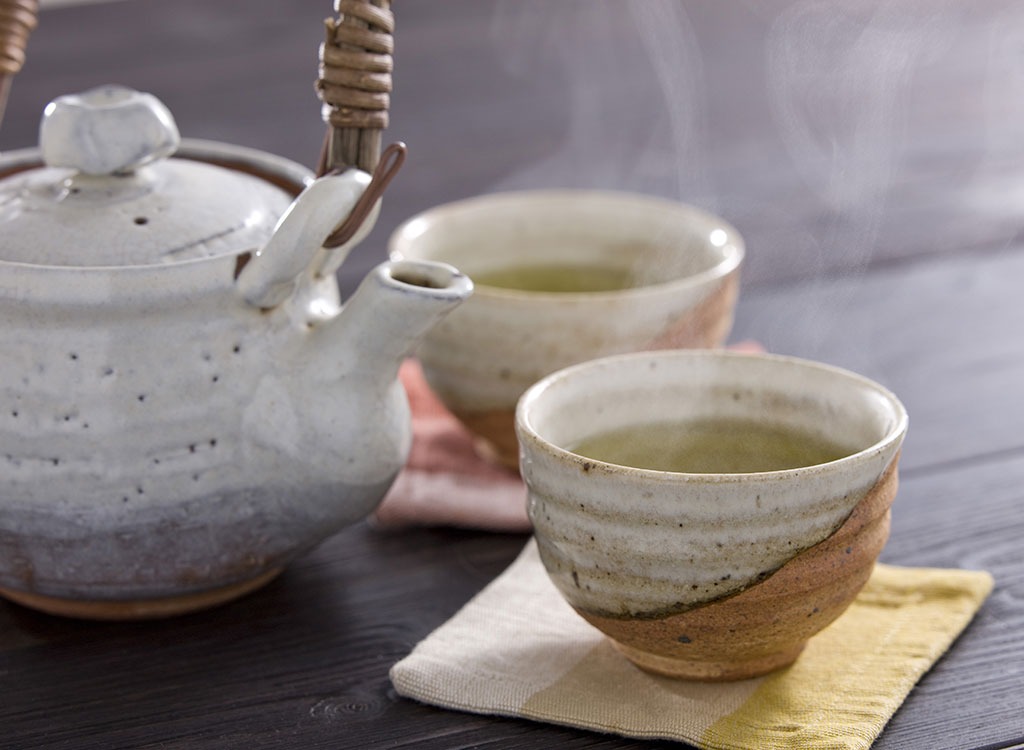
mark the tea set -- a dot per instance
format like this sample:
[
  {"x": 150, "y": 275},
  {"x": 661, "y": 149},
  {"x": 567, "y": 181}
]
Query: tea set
[{"x": 187, "y": 405}]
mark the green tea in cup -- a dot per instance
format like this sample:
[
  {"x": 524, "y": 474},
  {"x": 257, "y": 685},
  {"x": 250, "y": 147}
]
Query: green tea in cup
[
  {"x": 711, "y": 446},
  {"x": 552, "y": 277}
]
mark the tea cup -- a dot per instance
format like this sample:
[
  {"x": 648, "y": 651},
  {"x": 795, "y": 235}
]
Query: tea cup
[
  {"x": 720, "y": 574},
  {"x": 564, "y": 276}
]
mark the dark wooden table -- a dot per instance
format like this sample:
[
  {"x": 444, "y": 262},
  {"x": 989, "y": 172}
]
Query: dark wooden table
[{"x": 872, "y": 153}]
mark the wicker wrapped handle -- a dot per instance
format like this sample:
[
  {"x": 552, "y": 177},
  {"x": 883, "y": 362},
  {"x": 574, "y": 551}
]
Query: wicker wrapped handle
[
  {"x": 17, "y": 20},
  {"x": 355, "y": 82}
]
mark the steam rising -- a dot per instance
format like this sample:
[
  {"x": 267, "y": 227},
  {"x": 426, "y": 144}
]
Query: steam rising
[
  {"x": 631, "y": 74},
  {"x": 826, "y": 103},
  {"x": 838, "y": 85}
]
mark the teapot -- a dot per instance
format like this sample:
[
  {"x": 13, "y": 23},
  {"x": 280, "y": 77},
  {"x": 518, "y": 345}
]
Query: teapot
[{"x": 186, "y": 405}]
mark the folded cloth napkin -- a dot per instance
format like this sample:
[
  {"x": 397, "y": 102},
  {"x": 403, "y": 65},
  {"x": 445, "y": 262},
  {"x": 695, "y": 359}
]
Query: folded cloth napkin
[{"x": 518, "y": 649}]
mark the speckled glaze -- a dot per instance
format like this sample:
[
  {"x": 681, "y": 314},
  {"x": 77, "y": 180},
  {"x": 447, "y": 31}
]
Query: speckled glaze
[
  {"x": 174, "y": 432},
  {"x": 482, "y": 358},
  {"x": 709, "y": 576}
]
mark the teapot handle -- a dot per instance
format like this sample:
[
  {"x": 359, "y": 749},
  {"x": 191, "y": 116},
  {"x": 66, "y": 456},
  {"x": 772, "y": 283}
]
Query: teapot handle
[
  {"x": 298, "y": 243},
  {"x": 272, "y": 273},
  {"x": 352, "y": 231}
]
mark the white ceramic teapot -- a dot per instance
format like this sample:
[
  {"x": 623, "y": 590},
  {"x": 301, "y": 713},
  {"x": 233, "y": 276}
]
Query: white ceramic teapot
[{"x": 185, "y": 405}]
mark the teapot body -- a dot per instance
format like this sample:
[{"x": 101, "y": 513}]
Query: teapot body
[
  {"x": 156, "y": 443},
  {"x": 164, "y": 445},
  {"x": 185, "y": 404}
]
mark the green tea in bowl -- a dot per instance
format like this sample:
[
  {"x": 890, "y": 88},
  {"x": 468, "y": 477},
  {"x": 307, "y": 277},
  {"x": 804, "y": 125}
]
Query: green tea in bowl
[
  {"x": 711, "y": 446},
  {"x": 558, "y": 278}
]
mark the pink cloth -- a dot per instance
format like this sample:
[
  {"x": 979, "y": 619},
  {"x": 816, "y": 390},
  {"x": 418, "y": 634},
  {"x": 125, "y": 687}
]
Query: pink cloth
[{"x": 445, "y": 482}]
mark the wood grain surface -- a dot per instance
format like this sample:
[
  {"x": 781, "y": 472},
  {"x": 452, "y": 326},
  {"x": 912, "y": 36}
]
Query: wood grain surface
[{"x": 871, "y": 155}]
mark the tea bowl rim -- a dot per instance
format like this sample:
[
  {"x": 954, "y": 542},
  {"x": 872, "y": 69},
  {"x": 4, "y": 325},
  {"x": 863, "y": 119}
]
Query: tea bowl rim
[
  {"x": 526, "y": 432},
  {"x": 732, "y": 249}
]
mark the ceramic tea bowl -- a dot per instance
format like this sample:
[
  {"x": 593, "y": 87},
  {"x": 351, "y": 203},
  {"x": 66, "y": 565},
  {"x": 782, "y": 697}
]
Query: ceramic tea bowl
[
  {"x": 714, "y": 576},
  {"x": 675, "y": 269}
]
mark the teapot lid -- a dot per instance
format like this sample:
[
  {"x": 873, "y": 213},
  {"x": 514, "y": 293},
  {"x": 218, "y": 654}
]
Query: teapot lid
[{"x": 109, "y": 195}]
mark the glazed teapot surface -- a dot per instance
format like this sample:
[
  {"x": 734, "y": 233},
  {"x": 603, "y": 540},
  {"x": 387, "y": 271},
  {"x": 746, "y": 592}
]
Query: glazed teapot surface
[{"x": 185, "y": 404}]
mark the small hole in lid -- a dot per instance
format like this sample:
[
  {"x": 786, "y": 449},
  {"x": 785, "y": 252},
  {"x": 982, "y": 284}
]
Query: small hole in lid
[{"x": 141, "y": 220}]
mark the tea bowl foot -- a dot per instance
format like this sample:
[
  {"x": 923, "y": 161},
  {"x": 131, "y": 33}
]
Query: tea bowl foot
[
  {"x": 709, "y": 671},
  {"x": 138, "y": 609}
]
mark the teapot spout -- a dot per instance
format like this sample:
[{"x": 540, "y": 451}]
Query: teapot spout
[{"x": 393, "y": 308}]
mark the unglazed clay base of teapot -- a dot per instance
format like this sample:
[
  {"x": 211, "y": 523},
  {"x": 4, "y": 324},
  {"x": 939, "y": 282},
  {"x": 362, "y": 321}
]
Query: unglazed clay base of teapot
[{"x": 185, "y": 405}]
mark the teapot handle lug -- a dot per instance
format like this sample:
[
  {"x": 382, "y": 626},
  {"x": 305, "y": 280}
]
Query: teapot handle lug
[{"x": 294, "y": 255}]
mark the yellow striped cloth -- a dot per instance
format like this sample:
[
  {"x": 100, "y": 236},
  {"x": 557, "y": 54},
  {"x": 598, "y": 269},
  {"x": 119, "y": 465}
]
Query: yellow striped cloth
[{"x": 517, "y": 649}]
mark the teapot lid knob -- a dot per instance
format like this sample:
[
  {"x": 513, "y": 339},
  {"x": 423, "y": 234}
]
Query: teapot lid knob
[{"x": 107, "y": 130}]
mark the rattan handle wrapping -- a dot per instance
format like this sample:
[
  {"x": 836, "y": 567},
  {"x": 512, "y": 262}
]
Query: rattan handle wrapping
[
  {"x": 17, "y": 20},
  {"x": 355, "y": 82}
]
